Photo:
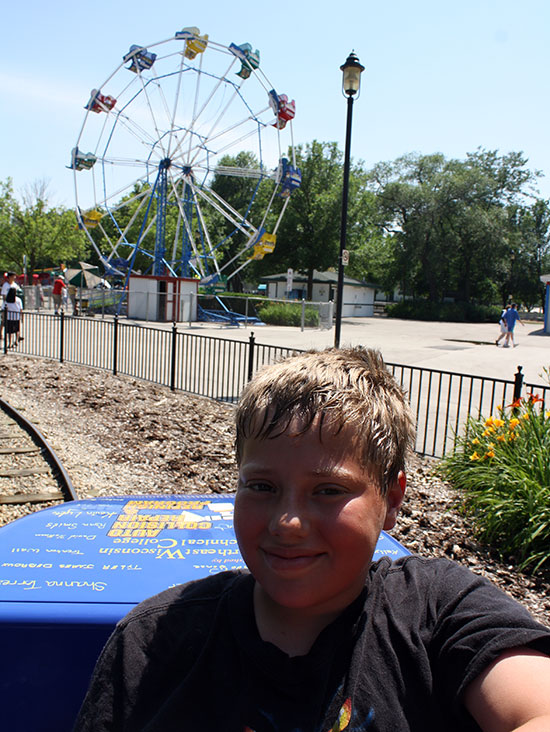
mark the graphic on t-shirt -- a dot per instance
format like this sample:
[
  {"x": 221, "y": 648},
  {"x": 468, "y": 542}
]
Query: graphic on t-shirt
[
  {"x": 345, "y": 720},
  {"x": 344, "y": 717}
]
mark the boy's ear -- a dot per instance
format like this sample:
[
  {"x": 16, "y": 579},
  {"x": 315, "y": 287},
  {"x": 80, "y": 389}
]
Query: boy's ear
[{"x": 394, "y": 499}]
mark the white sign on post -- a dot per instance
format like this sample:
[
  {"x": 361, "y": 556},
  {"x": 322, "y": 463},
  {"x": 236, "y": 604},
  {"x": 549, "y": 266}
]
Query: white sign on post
[
  {"x": 289, "y": 274},
  {"x": 345, "y": 257}
]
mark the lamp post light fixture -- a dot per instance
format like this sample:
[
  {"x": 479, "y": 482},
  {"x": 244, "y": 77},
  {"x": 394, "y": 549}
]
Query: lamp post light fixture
[{"x": 351, "y": 86}]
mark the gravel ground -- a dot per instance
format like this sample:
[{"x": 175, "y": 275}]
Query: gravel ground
[{"x": 117, "y": 435}]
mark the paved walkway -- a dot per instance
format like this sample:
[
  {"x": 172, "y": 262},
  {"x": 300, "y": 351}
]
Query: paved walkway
[{"x": 466, "y": 348}]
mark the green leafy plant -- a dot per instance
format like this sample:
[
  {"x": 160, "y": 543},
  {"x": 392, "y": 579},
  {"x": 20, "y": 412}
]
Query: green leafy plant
[
  {"x": 502, "y": 464},
  {"x": 288, "y": 314}
]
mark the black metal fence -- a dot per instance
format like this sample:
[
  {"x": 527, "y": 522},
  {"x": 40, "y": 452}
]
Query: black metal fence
[{"x": 219, "y": 368}]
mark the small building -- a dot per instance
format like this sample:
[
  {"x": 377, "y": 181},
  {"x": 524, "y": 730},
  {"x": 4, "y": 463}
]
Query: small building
[
  {"x": 162, "y": 299},
  {"x": 358, "y": 297}
]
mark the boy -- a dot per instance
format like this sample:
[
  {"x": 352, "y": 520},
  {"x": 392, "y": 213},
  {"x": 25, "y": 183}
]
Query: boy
[
  {"x": 502, "y": 324},
  {"x": 317, "y": 637},
  {"x": 511, "y": 318}
]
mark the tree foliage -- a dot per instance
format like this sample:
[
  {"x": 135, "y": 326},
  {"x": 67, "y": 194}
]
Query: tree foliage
[
  {"x": 471, "y": 229},
  {"x": 32, "y": 229},
  {"x": 248, "y": 196},
  {"x": 309, "y": 234}
]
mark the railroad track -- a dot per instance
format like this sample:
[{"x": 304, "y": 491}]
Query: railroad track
[{"x": 30, "y": 471}]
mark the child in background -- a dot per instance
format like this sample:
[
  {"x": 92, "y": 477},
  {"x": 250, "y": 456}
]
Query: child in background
[
  {"x": 14, "y": 317},
  {"x": 7, "y": 284},
  {"x": 317, "y": 638},
  {"x": 503, "y": 326}
]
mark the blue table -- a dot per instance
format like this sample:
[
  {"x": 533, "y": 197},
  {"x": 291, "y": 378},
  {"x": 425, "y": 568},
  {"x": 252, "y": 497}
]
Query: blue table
[{"x": 70, "y": 572}]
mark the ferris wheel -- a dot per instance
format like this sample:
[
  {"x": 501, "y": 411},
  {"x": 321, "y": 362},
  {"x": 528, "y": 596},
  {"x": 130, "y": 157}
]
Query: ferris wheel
[{"x": 185, "y": 161}]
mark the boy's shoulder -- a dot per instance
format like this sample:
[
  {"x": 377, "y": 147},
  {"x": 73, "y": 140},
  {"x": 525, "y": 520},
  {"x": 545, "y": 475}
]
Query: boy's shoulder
[
  {"x": 196, "y": 596},
  {"x": 430, "y": 574},
  {"x": 412, "y": 586}
]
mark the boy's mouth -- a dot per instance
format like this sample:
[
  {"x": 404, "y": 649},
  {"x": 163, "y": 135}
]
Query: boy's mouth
[{"x": 280, "y": 559}]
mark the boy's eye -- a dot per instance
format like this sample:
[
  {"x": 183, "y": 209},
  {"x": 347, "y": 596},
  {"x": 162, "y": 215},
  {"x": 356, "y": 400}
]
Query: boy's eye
[
  {"x": 330, "y": 490},
  {"x": 259, "y": 487}
]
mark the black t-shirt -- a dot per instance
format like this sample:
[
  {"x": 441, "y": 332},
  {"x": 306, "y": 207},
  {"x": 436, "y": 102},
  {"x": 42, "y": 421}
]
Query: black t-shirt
[{"x": 397, "y": 659}]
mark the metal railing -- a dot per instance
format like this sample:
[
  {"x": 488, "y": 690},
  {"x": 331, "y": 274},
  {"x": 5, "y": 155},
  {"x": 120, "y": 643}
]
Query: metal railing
[{"x": 219, "y": 368}]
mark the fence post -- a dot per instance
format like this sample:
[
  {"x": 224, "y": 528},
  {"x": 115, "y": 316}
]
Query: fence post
[
  {"x": 251, "y": 343},
  {"x": 115, "y": 345},
  {"x": 61, "y": 334},
  {"x": 518, "y": 383},
  {"x": 173, "y": 358},
  {"x": 303, "y": 314}
]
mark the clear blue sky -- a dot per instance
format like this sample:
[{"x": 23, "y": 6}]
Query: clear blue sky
[{"x": 440, "y": 76}]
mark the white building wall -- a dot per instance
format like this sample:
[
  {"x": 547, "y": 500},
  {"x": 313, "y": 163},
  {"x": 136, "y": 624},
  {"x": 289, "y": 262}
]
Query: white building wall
[{"x": 357, "y": 302}]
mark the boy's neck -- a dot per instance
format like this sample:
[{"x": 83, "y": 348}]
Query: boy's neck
[{"x": 291, "y": 630}]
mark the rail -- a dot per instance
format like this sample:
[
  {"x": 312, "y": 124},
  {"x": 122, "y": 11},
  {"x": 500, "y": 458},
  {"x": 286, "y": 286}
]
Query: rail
[
  {"x": 219, "y": 368},
  {"x": 48, "y": 454}
]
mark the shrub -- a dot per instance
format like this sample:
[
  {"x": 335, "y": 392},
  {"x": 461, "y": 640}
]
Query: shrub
[
  {"x": 279, "y": 313},
  {"x": 502, "y": 465},
  {"x": 451, "y": 312}
]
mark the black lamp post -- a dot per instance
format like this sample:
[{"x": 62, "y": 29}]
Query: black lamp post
[{"x": 351, "y": 85}]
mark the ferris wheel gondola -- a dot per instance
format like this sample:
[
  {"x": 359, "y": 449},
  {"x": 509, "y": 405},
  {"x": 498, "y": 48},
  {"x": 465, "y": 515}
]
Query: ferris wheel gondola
[{"x": 150, "y": 160}]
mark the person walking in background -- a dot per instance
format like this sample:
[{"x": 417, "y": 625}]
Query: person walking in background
[
  {"x": 8, "y": 283},
  {"x": 14, "y": 317},
  {"x": 38, "y": 293},
  {"x": 511, "y": 317},
  {"x": 57, "y": 293},
  {"x": 72, "y": 298},
  {"x": 503, "y": 326}
]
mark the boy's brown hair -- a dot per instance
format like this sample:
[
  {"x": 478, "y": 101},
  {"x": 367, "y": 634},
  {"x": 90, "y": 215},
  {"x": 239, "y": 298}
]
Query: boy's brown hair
[{"x": 348, "y": 387}]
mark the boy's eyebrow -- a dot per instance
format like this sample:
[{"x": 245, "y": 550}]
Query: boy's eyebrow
[{"x": 337, "y": 470}]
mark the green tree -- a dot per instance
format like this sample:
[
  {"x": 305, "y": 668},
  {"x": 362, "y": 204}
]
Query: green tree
[
  {"x": 528, "y": 255},
  {"x": 239, "y": 181},
  {"x": 45, "y": 235},
  {"x": 455, "y": 225},
  {"x": 309, "y": 234}
]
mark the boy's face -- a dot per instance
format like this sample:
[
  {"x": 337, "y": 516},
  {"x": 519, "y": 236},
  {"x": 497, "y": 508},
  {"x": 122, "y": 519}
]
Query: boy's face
[{"x": 307, "y": 518}]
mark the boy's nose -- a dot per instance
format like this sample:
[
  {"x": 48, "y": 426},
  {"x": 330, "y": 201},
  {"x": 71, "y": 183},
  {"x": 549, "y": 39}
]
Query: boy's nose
[{"x": 289, "y": 517}]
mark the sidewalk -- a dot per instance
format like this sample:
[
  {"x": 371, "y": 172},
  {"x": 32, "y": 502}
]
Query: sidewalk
[{"x": 466, "y": 348}]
